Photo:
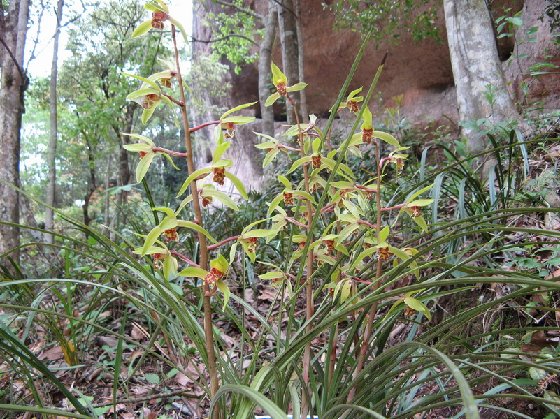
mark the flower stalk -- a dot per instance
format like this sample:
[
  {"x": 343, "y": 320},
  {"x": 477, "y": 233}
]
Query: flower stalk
[
  {"x": 309, "y": 306},
  {"x": 203, "y": 244},
  {"x": 377, "y": 283}
]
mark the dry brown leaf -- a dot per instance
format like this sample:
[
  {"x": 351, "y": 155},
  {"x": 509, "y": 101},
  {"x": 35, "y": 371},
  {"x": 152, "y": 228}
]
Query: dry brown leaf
[
  {"x": 119, "y": 407},
  {"x": 141, "y": 390},
  {"x": 110, "y": 341},
  {"x": 267, "y": 294},
  {"x": 182, "y": 379},
  {"x": 53, "y": 354},
  {"x": 136, "y": 333},
  {"x": 248, "y": 295}
]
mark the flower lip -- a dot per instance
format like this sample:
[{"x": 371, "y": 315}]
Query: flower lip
[
  {"x": 281, "y": 88},
  {"x": 353, "y": 106},
  {"x": 316, "y": 161},
  {"x": 415, "y": 211},
  {"x": 158, "y": 18},
  {"x": 206, "y": 200},
  {"x": 171, "y": 234},
  {"x": 219, "y": 175},
  {"x": 383, "y": 253},
  {"x": 288, "y": 198},
  {"x": 367, "y": 135}
]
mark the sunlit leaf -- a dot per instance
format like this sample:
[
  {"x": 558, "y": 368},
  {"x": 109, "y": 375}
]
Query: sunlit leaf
[
  {"x": 220, "y": 263},
  {"x": 140, "y": 137},
  {"x": 238, "y": 184},
  {"x": 222, "y": 197},
  {"x": 220, "y": 150},
  {"x": 193, "y": 272},
  {"x": 195, "y": 175},
  {"x": 143, "y": 166},
  {"x": 277, "y": 75},
  {"x": 388, "y": 138},
  {"x": 142, "y": 29},
  {"x": 417, "y": 305},
  {"x": 136, "y": 148},
  {"x": 237, "y": 108},
  {"x": 273, "y": 275},
  {"x": 144, "y": 91},
  {"x": 272, "y": 98},
  {"x": 144, "y": 80},
  {"x": 297, "y": 87},
  {"x": 239, "y": 120},
  {"x": 147, "y": 114},
  {"x": 270, "y": 156},
  {"x": 298, "y": 163},
  {"x": 197, "y": 228},
  {"x": 170, "y": 267},
  {"x": 151, "y": 239},
  {"x": 224, "y": 289}
]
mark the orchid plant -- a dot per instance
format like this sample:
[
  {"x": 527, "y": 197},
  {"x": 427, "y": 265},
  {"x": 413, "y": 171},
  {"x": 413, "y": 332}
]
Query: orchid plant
[{"x": 338, "y": 226}]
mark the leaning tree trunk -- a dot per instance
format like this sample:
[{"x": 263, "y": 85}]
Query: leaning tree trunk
[
  {"x": 51, "y": 188},
  {"x": 289, "y": 44},
  {"x": 13, "y": 30},
  {"x": 265, "y": 57},
  {"x": 481, "y": 86}
]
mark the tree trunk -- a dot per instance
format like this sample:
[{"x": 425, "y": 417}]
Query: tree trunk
[
  {"x": 107, "y": 202},
  {"x": 92, "y": 184},
  {"x": 289, "y": 43},
  {"x": 265, "y": 57},
  {"x": 13, "y": 30},
  {"x": 51, "y": 188},
  {"x": 124, "y": 168},
  {"x": 299, "y": 32},
  {"x": 481, "y": 86}
]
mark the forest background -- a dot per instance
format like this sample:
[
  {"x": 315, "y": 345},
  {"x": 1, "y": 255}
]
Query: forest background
[{"x": 468, "y": 95}]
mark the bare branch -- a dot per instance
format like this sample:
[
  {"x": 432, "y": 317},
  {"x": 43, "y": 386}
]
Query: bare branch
[
  {"x": 240, "y": 9},
  {"x": 36, "y": 40},
  {"x": 233, "y": 35}
]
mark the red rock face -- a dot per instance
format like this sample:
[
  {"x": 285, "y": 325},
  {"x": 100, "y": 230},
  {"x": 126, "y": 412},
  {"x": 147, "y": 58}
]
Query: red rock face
[
  {"x": 419, "y": 71},
  {"x": 542, "y": 91},
  {"x": 329, "y": 56}
]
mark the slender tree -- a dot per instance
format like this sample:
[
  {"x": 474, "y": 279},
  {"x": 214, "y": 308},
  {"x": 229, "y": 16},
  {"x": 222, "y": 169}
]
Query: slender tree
[
  {"x": 481, "y": 85},
  {"x": 265, "y": 57},
  {"x": 51, "y": 162},
  {"x": 301, "y": 60},
  {"x": 287, "y": 25},
  {"x": 13, "y": 83}
]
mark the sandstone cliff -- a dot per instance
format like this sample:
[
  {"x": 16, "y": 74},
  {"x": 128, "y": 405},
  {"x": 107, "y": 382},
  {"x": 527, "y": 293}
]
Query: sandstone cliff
[{"x": 419, "y": 71}]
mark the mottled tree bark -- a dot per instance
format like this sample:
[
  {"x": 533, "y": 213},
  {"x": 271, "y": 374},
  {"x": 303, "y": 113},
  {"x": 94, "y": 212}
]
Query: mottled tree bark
[
  {"x": 290, "y": 52},
  {"x": 13, "y": 30},
  {"x": 299, "y": 32},
  {"x": 265, "y": 57},
  {"x": 477, "y": 69},
  {"x": 51, "y": 160},
  {"x": 124, "y": 167},
  {"x": 92, "y": 183}
]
